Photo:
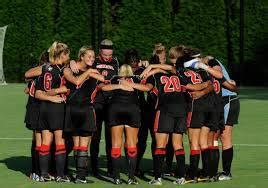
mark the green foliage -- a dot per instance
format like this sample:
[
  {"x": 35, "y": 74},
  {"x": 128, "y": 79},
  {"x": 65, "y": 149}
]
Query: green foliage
[{"x": 35, "y": 24}]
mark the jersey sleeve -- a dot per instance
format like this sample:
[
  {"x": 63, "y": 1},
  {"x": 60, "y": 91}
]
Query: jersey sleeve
[
  {"x": 39, "y": 83},
  {"x": 150, "y": 80}
]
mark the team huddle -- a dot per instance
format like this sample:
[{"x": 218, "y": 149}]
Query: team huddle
[{"x": 70, "y": 101}]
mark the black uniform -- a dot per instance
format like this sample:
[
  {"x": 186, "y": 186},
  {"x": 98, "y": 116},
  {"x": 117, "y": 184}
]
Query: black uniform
[
  {"x": 202, "y": 110},
  {"x": 171, "y": 103},
  {"x": 32, "y": 107},
  {"x": 80, "y": 114},
  {"x": 51, "y": 114},
  {"x": 108, "y": 70},
  {"x": 124, "y": 108},
  {"x": 217, "y": 83}
]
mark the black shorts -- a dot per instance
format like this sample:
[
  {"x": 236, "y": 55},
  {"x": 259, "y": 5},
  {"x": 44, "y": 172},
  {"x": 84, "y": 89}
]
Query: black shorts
[
  {"x": 32, "y": 116},
  {"x": 167, "y": 123},
  {"x": 80, "y": 120},
  {"x": 51, "y": 116},
  {"x": 198, "y": 119},
  {"x": 231, "y": 109},
  {"x": 124, "y": 114}
]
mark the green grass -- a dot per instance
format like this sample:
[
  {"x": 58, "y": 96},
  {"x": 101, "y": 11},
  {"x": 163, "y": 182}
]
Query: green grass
[{"x": 250, "y": 165}]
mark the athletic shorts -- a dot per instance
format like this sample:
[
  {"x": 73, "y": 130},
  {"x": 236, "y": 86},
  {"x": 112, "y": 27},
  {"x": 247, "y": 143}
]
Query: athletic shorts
[
  {"x": 231, "y": 109},
  {"x": 124, "y": 114},
  {"x": 51, "y": 116},
  {"x": 198, "y": 119},
  {"x": 80, "y": 120},
  {"x": 32, "y": 116},
  {"x": 167, "y": 123}
]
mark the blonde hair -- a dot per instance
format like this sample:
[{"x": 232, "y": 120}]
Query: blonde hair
[
  {"x": 83, "y": 50},
  {"x": 158, "y": 48},
  {"x": 177, "y": 52},
  {"x": 125, "y": 70},
  {"x": 56, "y": 49}
]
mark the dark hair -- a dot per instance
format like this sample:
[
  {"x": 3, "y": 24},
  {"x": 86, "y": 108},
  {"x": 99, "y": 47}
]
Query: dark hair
[
  {"x": 154, "y": 60},
  {"x": 131, "y": 56},
  {"x": 44, "y": 58}
]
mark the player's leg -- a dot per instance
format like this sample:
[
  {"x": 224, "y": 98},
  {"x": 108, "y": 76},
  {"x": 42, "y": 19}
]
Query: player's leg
[
  {"x": 205, "y": 154},
  {"x": 44, "y": 154},
  {"x": 177, "y": 141},
  {"x": 131, "y": 142},
  {"x": 194, "y": 134},
  {"x": 116, "y": 135},
  {"x": 60, "y": 157},
  {"x": 82, "y": 158}
]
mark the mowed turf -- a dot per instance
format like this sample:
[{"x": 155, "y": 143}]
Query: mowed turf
[{"x": 250, "y": 164}]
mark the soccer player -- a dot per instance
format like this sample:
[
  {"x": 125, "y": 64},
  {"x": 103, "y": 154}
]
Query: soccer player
[
  {"x": 52, "y": 114},
  {"x": 124, "y": 114},
  {"x": 170, "y": 118},
  {"x": 31, "y": 120},
  {"x": 80, "y": 113}
]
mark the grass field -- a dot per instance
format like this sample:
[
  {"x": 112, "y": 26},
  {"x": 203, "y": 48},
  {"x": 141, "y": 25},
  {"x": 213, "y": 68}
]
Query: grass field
[{"x": 250, "y": 164}]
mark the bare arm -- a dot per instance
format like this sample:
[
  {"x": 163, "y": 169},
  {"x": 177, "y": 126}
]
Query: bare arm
[
  {"x": 198, "y": 87},
  {"x": 228, "y": 85},
  {"x": 199, "y": 94},
  {"x": 97, "y": 76},
  {"x": 215, "y": 71},
  {"x": 141, "y": 87},
  {"x": 45, "y": 97},
  {"x": 33, "y": 72},
  {"x": 160, "y": 66},
  {"x": 77, "y": 80}
]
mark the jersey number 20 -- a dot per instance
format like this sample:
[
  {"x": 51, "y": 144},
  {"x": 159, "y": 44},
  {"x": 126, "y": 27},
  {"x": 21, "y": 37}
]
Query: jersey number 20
[{"x": 172, "y": 84}]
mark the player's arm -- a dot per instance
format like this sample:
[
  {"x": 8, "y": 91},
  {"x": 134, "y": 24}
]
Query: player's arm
[
  {"x": 111, "y": 87},
  {"x": 138, "y": 86},
  {"x": 77, "y": 80},
  {"x": 39, "y": 94},
  {"x": 201, "y": 93},
  {"x": 230, "y": 85},
  {"x": 33, "y": 72},
  {"x": 155, "y": 71},
  {"x": 26, "y": 90},
  {"x": 160, "y": 66},
  {"x": 96, "y": 76},
  {"x": 201, "y": 86},
  {"x": 56, "y": 91}
]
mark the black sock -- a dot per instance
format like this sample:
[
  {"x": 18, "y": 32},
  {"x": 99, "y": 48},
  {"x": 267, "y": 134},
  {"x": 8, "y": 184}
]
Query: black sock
[
  {"x": 82, "y": 163},
  {"x": 44, "y": 159},
  {"x": 37, "y": 150},
  {"x": 169, "y": 156},
  {"x": 227, "y": 158},
  {"x": 116, "y": 158},
  {"x": 180, "y": 158},
  {"x": 214, "y": 158},
  {"x": 205, "y": 161},
  {"x": 60, "y": 158},
  {"x": 159, "y": 162},
  {"x": 194, "y": 161},
  {"x": 33, "y": 157},
  {"x": 132, "y": 160}
]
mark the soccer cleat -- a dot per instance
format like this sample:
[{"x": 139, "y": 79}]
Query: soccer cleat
[
  {"x": 117, "y": 181},
  {"x": 80, "y": 180},
  {"x": 223, "y": 176},
  {"x": 132, "y": 181},
  {"x": 213, "y": 179},
  {"x": 64, "y": 179},
  {"x": 203, "y": 179},
  {"x": 189, "y": 180},
  {"x": 157, "y": 181},
  {"x": 180, "y": 181},
  {"x": 45, "y": 178},
  {"x": 34, "y": 177}
]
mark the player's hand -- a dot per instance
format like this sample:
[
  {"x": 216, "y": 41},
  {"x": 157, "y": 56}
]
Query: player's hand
[
  {"x": 56, "y": 99},
  {"x": 196, "y": 94},
  {"x": 144, "y": 63},
  {"x": 145, "y": 72},
  {"x": 26, "y": 90},
  {"x": 206, "y": 59},
  {"x": 232, "y": 82},
  {"x": 62, "y": 89},
  {"x": 74, "y": 66},
  {"x": 126, "y": 87}
]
